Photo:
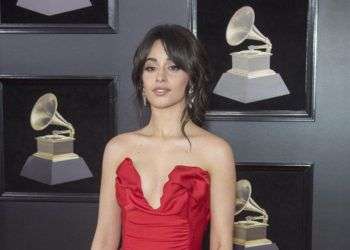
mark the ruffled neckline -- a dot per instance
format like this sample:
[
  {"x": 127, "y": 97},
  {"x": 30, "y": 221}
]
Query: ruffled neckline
[{"x": 172, "y": 177}]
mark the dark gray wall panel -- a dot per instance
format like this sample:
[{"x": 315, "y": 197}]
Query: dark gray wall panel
[
  {"x": 325, "y": 142},
  {"x": 43, "y": 226}
]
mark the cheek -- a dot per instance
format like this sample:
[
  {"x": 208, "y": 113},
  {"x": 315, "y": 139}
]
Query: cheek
[
  {"x": 181, "y": 83},
  {"x": 182, "y": 79},
  {"x": 146, "y": 78}
]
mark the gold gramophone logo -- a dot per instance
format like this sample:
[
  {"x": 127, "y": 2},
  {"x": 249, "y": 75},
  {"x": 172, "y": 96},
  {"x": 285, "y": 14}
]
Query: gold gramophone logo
[
  {"x": 55, "y": 161},
  {"x": 251, "y": 232},
  {"x": 250, "y": 79}
]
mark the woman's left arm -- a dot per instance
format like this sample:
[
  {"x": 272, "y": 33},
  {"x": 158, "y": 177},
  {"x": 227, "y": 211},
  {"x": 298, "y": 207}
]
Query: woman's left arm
[{"x": 222, "y": 196}]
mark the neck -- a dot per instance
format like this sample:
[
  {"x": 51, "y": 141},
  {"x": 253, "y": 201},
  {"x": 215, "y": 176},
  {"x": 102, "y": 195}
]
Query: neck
[{"x": 166, "y": 122}]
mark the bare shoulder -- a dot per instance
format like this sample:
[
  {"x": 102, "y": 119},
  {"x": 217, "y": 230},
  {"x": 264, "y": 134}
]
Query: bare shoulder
[
  {"x": 121, "y": 140},
  {"x": 117, "y": 147},
  {"x": 212, "y": 144},
  {"x": 216, "y": 151}
]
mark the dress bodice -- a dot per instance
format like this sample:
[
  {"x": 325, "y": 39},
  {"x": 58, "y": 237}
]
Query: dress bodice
[{"x": 182, "y": 217}]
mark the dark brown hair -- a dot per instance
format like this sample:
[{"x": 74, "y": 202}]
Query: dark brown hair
[{"x": 185, "y": 50}]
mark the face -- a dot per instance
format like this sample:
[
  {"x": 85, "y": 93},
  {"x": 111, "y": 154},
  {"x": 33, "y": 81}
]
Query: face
[{"x": 164, "y": 82}]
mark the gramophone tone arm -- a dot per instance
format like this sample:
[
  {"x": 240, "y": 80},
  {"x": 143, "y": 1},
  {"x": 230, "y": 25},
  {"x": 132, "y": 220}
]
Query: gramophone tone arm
[
  {"x": 254, "y": 207},
  {"x": 263, "y": 218},
  {"x": 66, "y": 124},
  {"x": 268, "y": 47},
  {"x": 68, "y": 131}
]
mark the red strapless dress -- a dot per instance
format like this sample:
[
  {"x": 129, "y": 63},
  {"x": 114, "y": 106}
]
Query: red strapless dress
[{"x": 181, "y": 219}]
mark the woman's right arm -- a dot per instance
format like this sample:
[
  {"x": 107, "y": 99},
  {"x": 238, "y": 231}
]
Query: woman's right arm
[{"x": 108, "y": 229}]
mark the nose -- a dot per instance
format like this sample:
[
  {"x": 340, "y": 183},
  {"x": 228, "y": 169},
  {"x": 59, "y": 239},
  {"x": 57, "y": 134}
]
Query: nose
[{"x": 161, "y": 74}]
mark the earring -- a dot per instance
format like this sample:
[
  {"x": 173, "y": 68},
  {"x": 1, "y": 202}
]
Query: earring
[
  {"x": 144, "y": 98},
  {"x": 190, "y": 92}
]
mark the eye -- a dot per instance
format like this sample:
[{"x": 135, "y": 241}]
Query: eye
[
  {"x": 149, "y": 68},
  {"x": 174, "y": 67}
]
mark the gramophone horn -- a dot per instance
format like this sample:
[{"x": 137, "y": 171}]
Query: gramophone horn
[
  {"x": 241, "y": 27},
  {"x": 44, "y": 113},
  {"x": 244, "y": 201},
  {"x": 243, "y": 192}
]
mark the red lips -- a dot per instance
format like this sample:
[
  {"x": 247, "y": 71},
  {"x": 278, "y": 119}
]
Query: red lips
[{"x": 161, "y": 89}]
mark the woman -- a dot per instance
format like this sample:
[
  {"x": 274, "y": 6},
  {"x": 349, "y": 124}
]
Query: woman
[{"x": 172, "y": 176}]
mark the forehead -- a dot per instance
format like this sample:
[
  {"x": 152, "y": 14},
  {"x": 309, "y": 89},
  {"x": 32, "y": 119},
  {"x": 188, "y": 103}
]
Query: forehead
[{"x": 157, "y": 52}]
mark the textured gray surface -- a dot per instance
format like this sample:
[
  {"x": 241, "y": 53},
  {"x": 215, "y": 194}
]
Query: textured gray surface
[
  {"x": 325, "y": 142},
  {"x": 266, "y": 247}
]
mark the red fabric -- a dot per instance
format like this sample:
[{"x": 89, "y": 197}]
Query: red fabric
[{"x": 180, "y": 221}]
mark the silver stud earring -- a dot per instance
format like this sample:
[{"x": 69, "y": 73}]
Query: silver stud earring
[{"x": 144, "y": 100}]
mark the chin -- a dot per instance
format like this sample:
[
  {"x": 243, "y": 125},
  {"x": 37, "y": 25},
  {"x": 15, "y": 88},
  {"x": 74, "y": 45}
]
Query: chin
[{"x": 163, "y": 104}]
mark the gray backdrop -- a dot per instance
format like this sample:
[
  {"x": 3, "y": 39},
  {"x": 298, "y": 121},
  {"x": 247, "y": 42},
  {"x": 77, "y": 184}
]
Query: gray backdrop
[{"x": 326, "y": 142}]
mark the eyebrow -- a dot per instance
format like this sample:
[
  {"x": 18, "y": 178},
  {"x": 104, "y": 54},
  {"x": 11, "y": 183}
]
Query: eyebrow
[{"x": 152, "y": 59}]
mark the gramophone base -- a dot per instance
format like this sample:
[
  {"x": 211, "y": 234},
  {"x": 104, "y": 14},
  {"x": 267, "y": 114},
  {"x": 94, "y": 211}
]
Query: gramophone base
[
  {"x": 271, "y": 246},
  {"x": 247, "y": 90},
  {"x": 53, "y": 7},
  {"x": 55, "y": 172},
  {"x": 245, "y": 231}
]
